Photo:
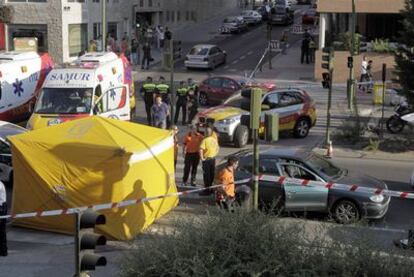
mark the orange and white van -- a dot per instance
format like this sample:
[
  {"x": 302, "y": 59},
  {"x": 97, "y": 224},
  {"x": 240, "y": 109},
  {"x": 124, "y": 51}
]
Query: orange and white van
[
  {"x": 21, "y": 78},
  {"x": 95, "y": 84}
]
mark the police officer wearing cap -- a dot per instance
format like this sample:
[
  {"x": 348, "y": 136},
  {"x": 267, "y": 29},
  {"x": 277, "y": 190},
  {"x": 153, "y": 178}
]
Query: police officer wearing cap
[
  {"x": 182, "y": 99},
  {"x": 3, "y": 211},
  {"x": 148, "y": 93},
  {"x": 192, "y": 86}
]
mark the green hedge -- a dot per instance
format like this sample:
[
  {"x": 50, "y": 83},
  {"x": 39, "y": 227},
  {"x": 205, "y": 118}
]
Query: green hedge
[{"x": 253, "y": 244}]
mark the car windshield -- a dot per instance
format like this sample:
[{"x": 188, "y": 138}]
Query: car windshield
[
  {"x": 323, "y": 166},
  {"x": 65, "y": 101},
  {"x": 202, "y": 51}
]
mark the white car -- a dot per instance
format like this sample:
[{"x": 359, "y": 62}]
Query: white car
[
  {"x": 7, "y": 129},
  {"x": 251, "y": 17}
]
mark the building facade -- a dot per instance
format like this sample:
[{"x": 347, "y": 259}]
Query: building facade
[
  {"x": 64, "y": 27},
  {"x": 376, "y": 21}
]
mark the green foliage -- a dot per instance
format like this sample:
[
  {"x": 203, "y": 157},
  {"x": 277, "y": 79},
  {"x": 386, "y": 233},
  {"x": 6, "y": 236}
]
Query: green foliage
[
  {"x": 404, "y": 56},
  {"x": 345, "y": 40},
  {"x": 381, "y": 46},
  {"x": 254, "y": 244},
  {"x": 351, "y": 131}
]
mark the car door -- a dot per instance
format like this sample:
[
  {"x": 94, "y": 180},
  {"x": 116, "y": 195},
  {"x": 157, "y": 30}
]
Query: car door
[
  {"x": 5, "y": 161},
  {"x": 289, "y": 108},
  {"x": 114, "y": 103},
  {"x": 215, "y": 86},
  {"x": 302, "y": 198},
  {"x": 228, "y": 88},
  {"x": 270, "y": 192},
  {"x": 212, "y": 56}
]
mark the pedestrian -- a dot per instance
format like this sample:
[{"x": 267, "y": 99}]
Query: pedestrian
[
  {"x": 163, "y": 90},
  {"x": 369, "y": 77},
  {"x": 3, "y": 211},
  {"x": 209, "y": 149},
  {"x": 191, "y": 152},
  {"x": 99, "y": 44},
  {"x": 226, "y": 194},
  {"x": 159, "y": 113},
  {"x": 192, "y": 86},
  {"x": 167, "y": 34},
  {"x": 148, "y": 93},
  {"x": 192, "y": 106},
  {"x": 312, "y": 49},
  {"x": 182, "y": 99},
  {"x": 175, "y": 131},
  {"x": 364, "y": 73},
  {"x": 146, "y": 57},
  {"x": 92, "y": 46},
  {"x": 134, "y": 52},
  {"x": 124, "y": 47},
  {"x": 284, "y": 40},
  {"x": 304, "y": 51}
]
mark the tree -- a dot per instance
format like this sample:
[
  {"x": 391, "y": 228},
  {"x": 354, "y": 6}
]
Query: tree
[{"x": 404, "y": 56}]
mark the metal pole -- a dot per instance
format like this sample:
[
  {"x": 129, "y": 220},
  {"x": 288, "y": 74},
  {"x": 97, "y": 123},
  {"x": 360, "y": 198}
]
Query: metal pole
[
  {"x": 351, "y": 81},
  {"x": 255, "y": 168},
  {"x": 269, "y": 38},
  {"x": 77, "y": 258},
  {"x": 103, "y": 25},
  {"x": 172, "y": 79},
  {"x": 384, "y": 77},
  {"x": 328, "y": 114}
]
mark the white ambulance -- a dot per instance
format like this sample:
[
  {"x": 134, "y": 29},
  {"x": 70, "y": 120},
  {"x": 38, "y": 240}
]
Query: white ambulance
[
  {"x": 21, "y": 78},
  {"x": 95, "y": 84}
]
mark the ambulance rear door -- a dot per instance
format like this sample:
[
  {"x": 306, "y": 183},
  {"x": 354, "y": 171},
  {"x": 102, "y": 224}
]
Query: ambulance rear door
[{"x": 113, "y": 103}]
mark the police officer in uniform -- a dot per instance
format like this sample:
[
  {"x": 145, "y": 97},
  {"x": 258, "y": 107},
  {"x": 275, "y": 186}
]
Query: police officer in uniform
[
  {"x": 163, "y": 90},
  {"x": 3, "y": 211},
  {"x": 182, "y": 98},
  {"x": 192, "y": 86},
  {"x": 148, "y": 93}
]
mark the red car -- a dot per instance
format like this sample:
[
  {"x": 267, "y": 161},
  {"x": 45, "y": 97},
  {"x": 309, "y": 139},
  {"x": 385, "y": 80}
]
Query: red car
[
  {"x": 309, "y": 17},
  {"x": 216, "y": 90}
]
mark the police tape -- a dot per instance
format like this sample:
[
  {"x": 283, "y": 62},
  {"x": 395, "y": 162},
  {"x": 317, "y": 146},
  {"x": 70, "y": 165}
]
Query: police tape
[
  {"x": 113, "y": 205},
  {"x": 281, "y": 180}
]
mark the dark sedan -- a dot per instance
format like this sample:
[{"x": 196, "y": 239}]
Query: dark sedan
[{"x": 345, "y": 206}]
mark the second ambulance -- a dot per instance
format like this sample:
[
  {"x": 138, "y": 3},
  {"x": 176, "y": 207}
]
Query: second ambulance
[{"x": 96, "y": 84}]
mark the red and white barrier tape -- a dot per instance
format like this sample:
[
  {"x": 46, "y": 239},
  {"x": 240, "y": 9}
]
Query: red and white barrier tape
[
  {"x": 108, "y": 206},
  {"x": 277, "y": 179}
]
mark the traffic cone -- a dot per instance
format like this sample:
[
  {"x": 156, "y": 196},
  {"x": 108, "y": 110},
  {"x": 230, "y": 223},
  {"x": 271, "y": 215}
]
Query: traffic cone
[{"x": 329, "y": 150}]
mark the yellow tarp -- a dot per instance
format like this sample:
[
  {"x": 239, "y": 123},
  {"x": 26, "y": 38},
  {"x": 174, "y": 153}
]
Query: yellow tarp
[{"x": 93, "y": 161}]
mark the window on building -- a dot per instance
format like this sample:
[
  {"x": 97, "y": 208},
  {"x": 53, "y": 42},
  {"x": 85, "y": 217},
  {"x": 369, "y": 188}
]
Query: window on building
[
  {"x": 167, "y": 16},
  {"x": 149, "y": 3},
  {"x": 28, "y": 1},
  {"x": 172, "y": 16},
  {"x": 141, "y": 3},
  {"x": 193, "y": 16},
  {"x": 29, "y": 31},
  {"x": 187, "y": 15},
  {"x": 113, "y": 29},
  {"x": 77, "y": 1},
  {"x": 78, "y": 38},
  {"x": 178, "y": 16},
  {"x": 97, "y": 30}
]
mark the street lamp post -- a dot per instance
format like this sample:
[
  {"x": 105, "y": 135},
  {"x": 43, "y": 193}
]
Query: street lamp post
[
  {"x": 103, "y": 25},
  {"x": 351, "y": 81}
]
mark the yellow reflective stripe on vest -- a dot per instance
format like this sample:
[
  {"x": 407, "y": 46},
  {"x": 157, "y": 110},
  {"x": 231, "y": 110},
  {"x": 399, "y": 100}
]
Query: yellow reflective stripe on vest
[
  {"x": 182, "y": 91},
  {"x": 149, "y": 86},
  {"x": 163, "y": 88}
]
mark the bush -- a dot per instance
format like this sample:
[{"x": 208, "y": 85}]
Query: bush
[
  {"x": 253, "y": 244},
  {"x": 381, "y": 46}
]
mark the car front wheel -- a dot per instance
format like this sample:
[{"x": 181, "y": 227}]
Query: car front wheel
[
  {"x": 202, "y": 99},
  {"x": 302, "y": 128},
  {"x": 346, "y": 212},
  {"x": 241, "y": 136}
]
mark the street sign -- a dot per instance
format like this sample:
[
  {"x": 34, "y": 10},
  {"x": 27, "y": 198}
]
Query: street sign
[
  {"x": 297, "y": 29},
  {"x": 274, "y": 46}
]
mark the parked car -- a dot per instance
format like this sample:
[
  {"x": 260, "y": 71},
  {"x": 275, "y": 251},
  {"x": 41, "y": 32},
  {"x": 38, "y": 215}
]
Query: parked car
[
  {"x": 309, "y": 16},
  {"x": 296, "y": 110},
  {"x": 281, "y": 16},
  {"x": 6, "y": 169},
  {"x": 205, "y": 56},
  {"x": 233, "y": 24},
  {"x": 285, "y": 4},
  {"x": 215, "y": 90},
  {"x": 304, "y": 2},
  {"x": 251, "y": 17},
  {"x": 345, "y": 206}
]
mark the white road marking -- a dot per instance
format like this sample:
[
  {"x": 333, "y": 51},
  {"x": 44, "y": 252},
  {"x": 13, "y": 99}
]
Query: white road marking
[
  {"x": 227, "y": 66},
  {"x": 250, "y": 52},
  {"x": 242, "y": 57},
  {"x": 234, "y": 62},
  {"x": 232, "y": 70}
]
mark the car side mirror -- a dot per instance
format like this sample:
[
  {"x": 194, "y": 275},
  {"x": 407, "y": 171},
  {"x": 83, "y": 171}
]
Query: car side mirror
[
  {"x": 95, "y": 110},
  {"x": 265, "y": 107}
]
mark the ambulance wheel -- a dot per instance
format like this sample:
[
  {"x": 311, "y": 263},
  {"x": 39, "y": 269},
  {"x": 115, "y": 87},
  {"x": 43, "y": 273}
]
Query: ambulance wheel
[
  {"x": 241, "y": 136},
  {"x": 302, "y": 128}
]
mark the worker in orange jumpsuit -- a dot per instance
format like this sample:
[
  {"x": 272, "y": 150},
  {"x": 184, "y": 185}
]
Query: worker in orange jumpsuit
[{"x": 226, "y": 194}]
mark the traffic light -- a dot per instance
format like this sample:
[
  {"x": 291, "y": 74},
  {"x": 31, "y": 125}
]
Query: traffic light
[
  {"x": 177, "y": 49},
  {"x": 350, "y": 62},
  {"x": 86, "y": 241},
  {"x": 326, "y": 80},
  {"x": 328, "y": 58}
]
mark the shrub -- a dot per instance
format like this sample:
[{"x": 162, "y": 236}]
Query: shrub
[{"x": 253, "y": 244}]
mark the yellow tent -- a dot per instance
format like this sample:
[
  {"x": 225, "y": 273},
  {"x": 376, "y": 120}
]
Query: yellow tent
[{"x": 93, "y": 161}]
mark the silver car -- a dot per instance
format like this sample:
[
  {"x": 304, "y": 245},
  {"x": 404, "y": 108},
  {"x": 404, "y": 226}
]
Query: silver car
[
  {"x": 233, "y": 24},
  {"x": 205, "y": 56},
  {"x": 251, "y": 17}
]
